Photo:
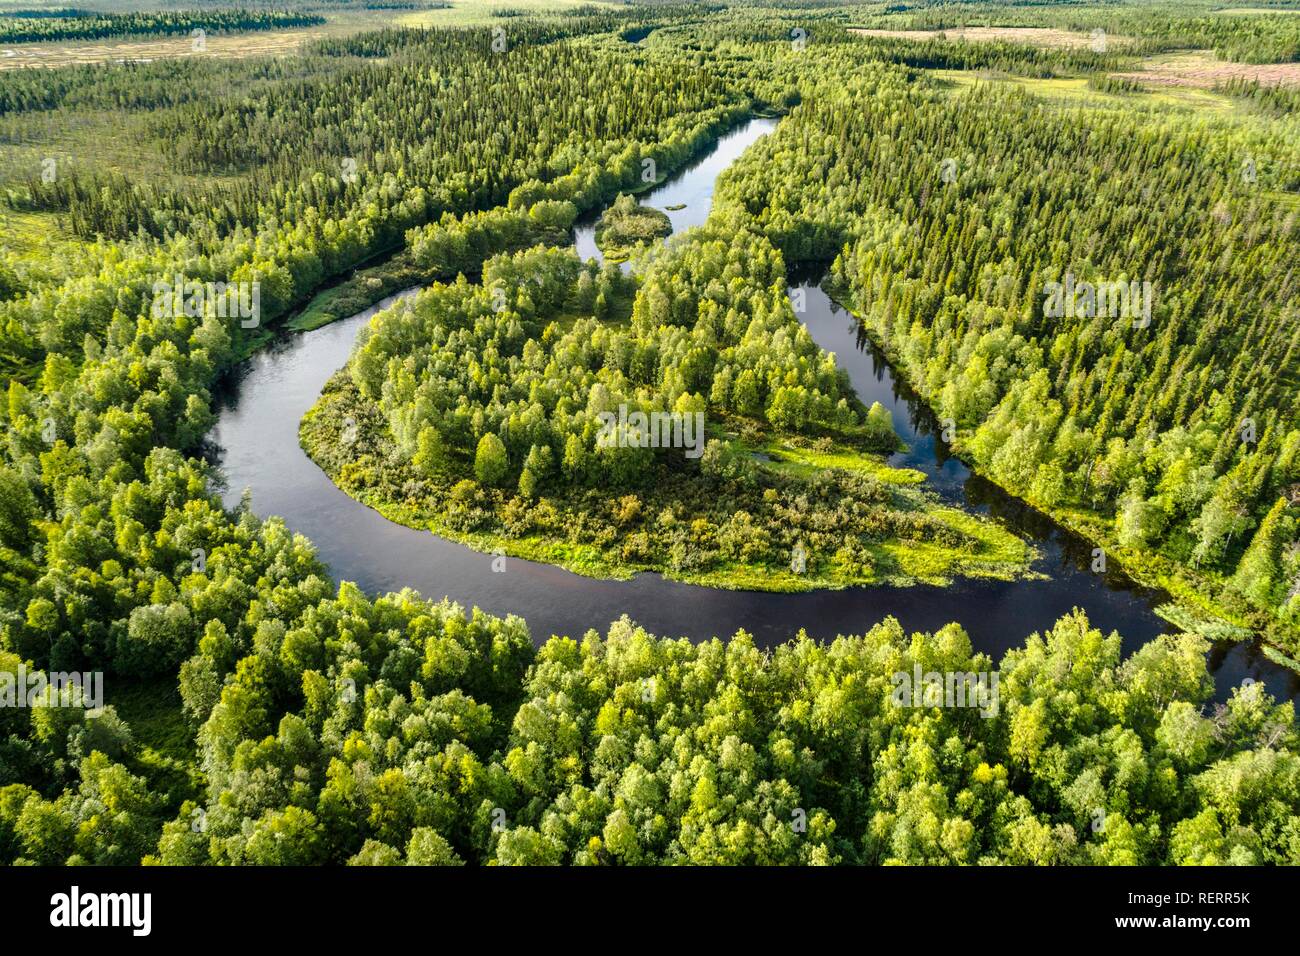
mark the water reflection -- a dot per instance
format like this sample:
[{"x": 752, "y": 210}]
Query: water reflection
[{"x": 256, "y": 441}]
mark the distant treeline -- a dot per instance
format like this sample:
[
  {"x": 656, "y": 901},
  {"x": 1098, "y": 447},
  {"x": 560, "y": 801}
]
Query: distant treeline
[
  {"x": 52, "y": 13},
  {"x": 30, "y": 26},
  {"x": 407, "y": 5},
  {"x": 1274, "y": 100},
  {"x": 1254, "y": 37}
]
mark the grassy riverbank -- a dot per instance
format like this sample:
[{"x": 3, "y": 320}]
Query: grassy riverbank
[
  {"x": 626, "y": 226},
  {"x": 734, "y": 533},
  {"x": 389, "y": 272},
  {"x": 1203, "y": 602}
]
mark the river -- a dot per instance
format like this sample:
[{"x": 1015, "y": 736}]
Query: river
[{"x": 256, "y": 438}]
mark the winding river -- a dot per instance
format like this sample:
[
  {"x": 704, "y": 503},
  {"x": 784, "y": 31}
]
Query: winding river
[{"x": 257, "y": 440}]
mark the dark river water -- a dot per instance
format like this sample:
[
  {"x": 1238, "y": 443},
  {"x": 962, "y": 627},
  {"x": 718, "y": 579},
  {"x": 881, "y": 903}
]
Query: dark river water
[{"x": 257, "y": 441}]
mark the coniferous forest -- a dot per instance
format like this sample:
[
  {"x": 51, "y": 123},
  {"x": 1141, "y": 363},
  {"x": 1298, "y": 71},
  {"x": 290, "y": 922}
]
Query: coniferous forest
[{"x": 586, "y": 354}]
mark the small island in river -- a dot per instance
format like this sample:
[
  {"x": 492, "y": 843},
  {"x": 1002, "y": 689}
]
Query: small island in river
[{"x": 626, "y": 224}]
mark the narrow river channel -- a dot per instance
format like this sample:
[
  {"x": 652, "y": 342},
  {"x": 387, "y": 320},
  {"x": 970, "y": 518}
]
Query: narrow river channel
[{"x": 257, "y": 440}]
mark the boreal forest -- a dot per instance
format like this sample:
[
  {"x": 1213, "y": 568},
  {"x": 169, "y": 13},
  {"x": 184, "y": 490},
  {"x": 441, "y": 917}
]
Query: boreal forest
[{"x": 746, "y": 432}]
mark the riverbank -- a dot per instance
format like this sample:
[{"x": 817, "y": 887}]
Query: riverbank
[
  {"x": 626, "y": 226},
  {"x": 800, "y": 506},
  {"x": 384, "y": 273},
  {"x": 1199, "y": 602},
  {"x": 263, "y": 406},
  {"x": 719, "y": 531}
]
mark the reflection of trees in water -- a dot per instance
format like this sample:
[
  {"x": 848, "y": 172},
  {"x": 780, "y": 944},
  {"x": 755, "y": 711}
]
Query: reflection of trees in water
[{"x": 1065, "y": 550}]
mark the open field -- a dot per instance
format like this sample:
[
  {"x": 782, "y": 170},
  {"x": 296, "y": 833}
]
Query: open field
[
  {"x": 1190, "y": 68},
  {"x": 268, "y": 43},
  {"x": 1045, "y": 37},
  {"x": 1076, "y": 91},
  {"x": 1200, "y": 68},
  {"x": 479, "y": 12}
]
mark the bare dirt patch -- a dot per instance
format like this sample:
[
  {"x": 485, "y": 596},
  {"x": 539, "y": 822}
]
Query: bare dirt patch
[
  {"x": 271, "y": 43},
  {"x": 1201, "y": 69}
]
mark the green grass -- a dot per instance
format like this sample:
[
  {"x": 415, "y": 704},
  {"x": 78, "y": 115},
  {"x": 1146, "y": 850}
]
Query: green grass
[
  {"x": 804, "y": 462},
  {"x": 362, "y": 290},
  {"x": 89, "y": 140},
  {"x": 390, "y": 273},
  {"x": 33, "y": 235},
  {"x": 620, "y": 233},
  {"x": 1075, "y": 91},
  {"x": 1000, "y": 555},
  {"x": 1201, "y": 600},
  {"x": 479, "y": 12},
  {"x": 988, "y": 550}
]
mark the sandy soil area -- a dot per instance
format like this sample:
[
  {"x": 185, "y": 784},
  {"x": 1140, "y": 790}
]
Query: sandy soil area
[
  {"x": 270, "y": 43},
  {"x": 1204, "y": 70},
  {"x": 1032, "y": 36}
]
